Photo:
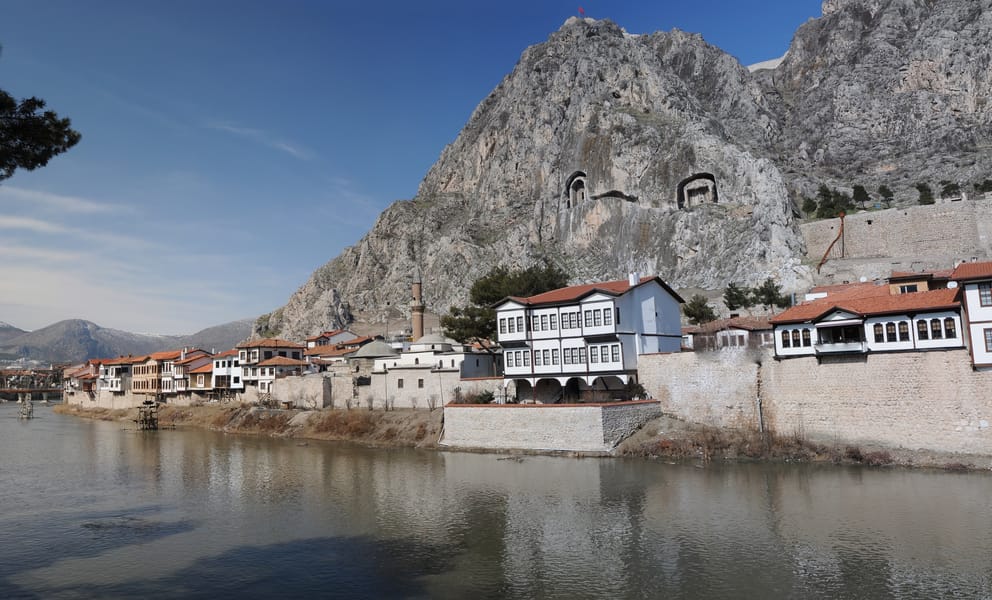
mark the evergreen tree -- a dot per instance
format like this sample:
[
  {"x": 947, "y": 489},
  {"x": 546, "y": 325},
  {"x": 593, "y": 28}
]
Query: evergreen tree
[
  {"x": 983, "y": 187},
  {"x": 735, "y": 297},
  {"x": 769, "y": 294},
  {"x": 861, "y": 196},
  {"x": 698, "y": 311},
  {"x": 477, "y": 321},
  {"x": 949, "y": 189},
  {"x": 809, "y": 206},
  {"x": 29, "y": 135},
  {"x": 926, "y": 194},
  {"x": 825, "y": 202},
  {"x": 886, "y": 194}
]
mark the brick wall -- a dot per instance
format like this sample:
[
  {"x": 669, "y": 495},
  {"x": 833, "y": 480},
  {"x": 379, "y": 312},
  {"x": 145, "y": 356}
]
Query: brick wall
[
  {"x": 571, "y": 427},
  {"x": 917, "y": 400}
]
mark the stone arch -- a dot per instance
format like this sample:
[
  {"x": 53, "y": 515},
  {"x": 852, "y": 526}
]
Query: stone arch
[
  {"x": 701, "y": 189},
  {"x": 575, "y": 189},
  {"x": 607, "y": 387},
  {"x": 547, "y": 390}
]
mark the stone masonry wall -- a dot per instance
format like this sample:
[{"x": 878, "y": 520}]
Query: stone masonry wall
[
  {"x": 901, "y": 239},
  {"x": 916, "y": 400},
  {"x": 716, "y": 388},
  {"x": 309, "y": 391},
  {"x": 572, "y": 427}
]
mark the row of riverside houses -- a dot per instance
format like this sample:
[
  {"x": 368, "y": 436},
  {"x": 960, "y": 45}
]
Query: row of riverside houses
[{"x": 909, "y": 312}]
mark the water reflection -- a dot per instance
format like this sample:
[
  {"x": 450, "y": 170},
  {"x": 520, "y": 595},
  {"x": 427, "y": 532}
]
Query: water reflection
[{"x": 97, "y": 511}]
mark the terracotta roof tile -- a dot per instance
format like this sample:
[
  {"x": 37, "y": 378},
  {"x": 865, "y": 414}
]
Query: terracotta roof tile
[
  {"x": 270, "y": 343},
  {"x": 873, "y": 304},
  {"x": 226, "y": 353},
  {"x": 747, "y": 323},
  {"x": 972, "y": 270},
  {"x": 207, "y": 368},
  {"x": 575, "y": 292},
  {"x": 281, "y": 361}
]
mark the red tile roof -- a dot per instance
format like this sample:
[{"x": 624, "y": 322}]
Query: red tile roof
[
  {"x": 874, "y": 304},
  {"x": 746, "y": 323},
  {"x": 226, "y": 353},
  {"x": 972, "y": 270},
  {"x": 575, "y": 292},
  {"x": 270, "y": 343},
  {"x": 207, "y": 368},
  {"x": 281, "y": 361},
  {"x": 327, "y": 334}
]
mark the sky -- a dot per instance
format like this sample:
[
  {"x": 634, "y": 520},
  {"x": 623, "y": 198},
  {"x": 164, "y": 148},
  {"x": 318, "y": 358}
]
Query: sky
[{"x": 229, "y": 148}]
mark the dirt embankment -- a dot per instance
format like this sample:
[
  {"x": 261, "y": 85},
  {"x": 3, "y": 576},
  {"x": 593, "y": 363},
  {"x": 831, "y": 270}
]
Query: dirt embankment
[
  {"x": 398, "y": 428},
  {"x": 673, "y": 439}
]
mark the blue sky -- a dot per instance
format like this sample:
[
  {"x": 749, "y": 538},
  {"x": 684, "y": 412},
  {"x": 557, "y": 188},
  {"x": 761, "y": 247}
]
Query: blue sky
[{"x": 230, "y": 148}]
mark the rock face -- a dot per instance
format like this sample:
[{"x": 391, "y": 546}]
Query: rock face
[{"x": 607, "y": 153}]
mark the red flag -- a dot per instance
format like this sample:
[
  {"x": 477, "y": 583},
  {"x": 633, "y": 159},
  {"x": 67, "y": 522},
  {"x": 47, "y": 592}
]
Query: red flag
[{"x": 582, "y": 11}]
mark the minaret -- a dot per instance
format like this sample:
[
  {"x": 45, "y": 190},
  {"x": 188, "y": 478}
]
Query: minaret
[{"x": 417, "y": 310}]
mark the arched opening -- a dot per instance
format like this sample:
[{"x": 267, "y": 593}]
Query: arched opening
[
  {"x": 547, "y": 391},
  {"x": 575, "y": 189},
  {"x": 573, "y": 390},
  {"x": 524, "y": 390},
  {"x": 696, "y": 189},
  {"x": 606, "y": 389}
]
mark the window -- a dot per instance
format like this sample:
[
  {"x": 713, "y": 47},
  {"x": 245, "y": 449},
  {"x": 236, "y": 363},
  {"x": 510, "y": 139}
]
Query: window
[
  {"x": 985, "y": 293},
  {"x": 554, "y": 321},
  {"x": 582, "y": 355},
  {"x": 520, "y": 324},
  {"x": 615, "y": 349},
  {"x": 526, "y": 358},
  {"x": 268, "y": 354},
  {"x": 535, "y": 323},
  {"x": 988, "y": 340},
  {"x": 806, "y": 338},
  {"x": 950, "y": 331},
  {"x": 618, "y": 316},
  {"x": 547, "y": 357},
  {"x": 588, "y": 318},
  {"x": 420, "y": 383},
  {"x": 199, "y": 380},
  {"x": 574, "y": 319},
  {"x": 544, "y": 322},
  {"x": 512, "y": 328},
  {"x": 935, "y": 330},
  {"x": 502, "y": 325},
  {"x": 566, "y": 356},
  {"x": 554, "y": 356},
  {"x": 921, "y": 330},
  {"x": 890, "y": 332},
  {"x": 879, "y": 333},
  {"x": 237, "y": 380},
  {"x": 537, "y": 358},
  {"x": 604, "y": 354},
  {"x": 908, "y": 289},
  {"x": 509, "y": 359},
  {"x": 296, "y": 355},
  {"x": 244, "y": 355},
  {"x": 593, "y": 354},
  {"x": 399, "y": 383},
  {"x": 795, "y": 338},
  {"x": 607, "y": 316},
  {"x": 903, "y": 331},
  {"x": 785, "y": 339},
  {"x": 597, "y": 316}
]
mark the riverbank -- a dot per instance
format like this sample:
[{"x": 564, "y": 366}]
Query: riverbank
[{"x": 664, "y": 438}]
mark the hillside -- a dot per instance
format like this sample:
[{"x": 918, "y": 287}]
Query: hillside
[
  {"x": 76, "y": 340},
  {"x": 597, "y": 150}
]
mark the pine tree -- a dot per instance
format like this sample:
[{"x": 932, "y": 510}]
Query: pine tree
[
  {"x": 736, "y": 296},
  {"x": 698, "y": 310}
]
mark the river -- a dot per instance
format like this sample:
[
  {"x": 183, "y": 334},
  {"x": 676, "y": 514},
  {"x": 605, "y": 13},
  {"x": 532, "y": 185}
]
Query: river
[{"x": 91, "y": 510}]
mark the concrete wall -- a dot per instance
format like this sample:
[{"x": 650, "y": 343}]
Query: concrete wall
[
  {"x": 438, "y": 390},
  {"x": 918, "y": 400},
  {"x": 561, "y": 427}
]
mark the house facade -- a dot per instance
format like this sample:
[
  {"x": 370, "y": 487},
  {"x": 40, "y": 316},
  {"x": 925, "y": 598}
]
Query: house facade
[
  {"x": 582, "y": 342},
  {"x": 735, "y": 332},
  {"x": 226, "y": 375},
  {"x": 869, "y": 317},
  {"x": 252, "y": 355},
  {"x": 975, "y": 281}
]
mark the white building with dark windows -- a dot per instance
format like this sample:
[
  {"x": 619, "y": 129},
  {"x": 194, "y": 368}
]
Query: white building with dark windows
[
  {"x": 975, "y": 281},
  {"x": 258, "y": 367},
  {"x": 582, "y": 342},
  {"x": 870, "y": 317}
]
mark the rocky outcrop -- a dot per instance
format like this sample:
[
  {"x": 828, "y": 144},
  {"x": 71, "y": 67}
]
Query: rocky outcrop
[{"x": 606, "y": 152}]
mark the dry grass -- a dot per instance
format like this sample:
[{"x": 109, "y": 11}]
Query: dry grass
[{"x": 100, "y": 414}]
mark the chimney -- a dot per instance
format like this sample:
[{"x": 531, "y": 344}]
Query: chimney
[
  {"x": 633, "y": 278},
  {"x": 417, "y": 310}
]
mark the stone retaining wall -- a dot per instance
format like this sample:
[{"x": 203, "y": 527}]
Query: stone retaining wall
[
  {"x": 556, "y": 427},
  {"x": 916, "y": 400}
]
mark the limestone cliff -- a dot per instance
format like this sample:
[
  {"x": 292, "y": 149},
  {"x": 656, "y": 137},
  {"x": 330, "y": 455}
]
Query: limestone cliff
[{"x": 608, "y": 152}]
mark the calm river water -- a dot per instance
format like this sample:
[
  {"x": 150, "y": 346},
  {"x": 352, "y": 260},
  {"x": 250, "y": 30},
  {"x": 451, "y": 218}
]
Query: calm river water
[{"x": 90, "y": 510}]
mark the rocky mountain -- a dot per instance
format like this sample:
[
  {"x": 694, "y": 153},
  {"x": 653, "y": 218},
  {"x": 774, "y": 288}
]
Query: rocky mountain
[
  {"x": 76, "y": 340},
  {"x": 607, "y": 152},
  {"x": 8, "y": 331}
]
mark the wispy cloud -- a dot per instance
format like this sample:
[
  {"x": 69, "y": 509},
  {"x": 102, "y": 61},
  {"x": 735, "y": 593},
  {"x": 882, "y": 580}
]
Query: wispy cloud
[
  {"x": 72, "y": 204},
  {"x": 29, "y": 224},
  {"x": 264, "y": 138}
]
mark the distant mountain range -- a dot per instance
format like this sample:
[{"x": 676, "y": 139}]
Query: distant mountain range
[{"x": 76, "y": 340}]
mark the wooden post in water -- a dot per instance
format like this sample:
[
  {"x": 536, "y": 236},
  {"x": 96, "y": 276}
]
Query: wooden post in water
[{"x": 147, "y": 416}]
